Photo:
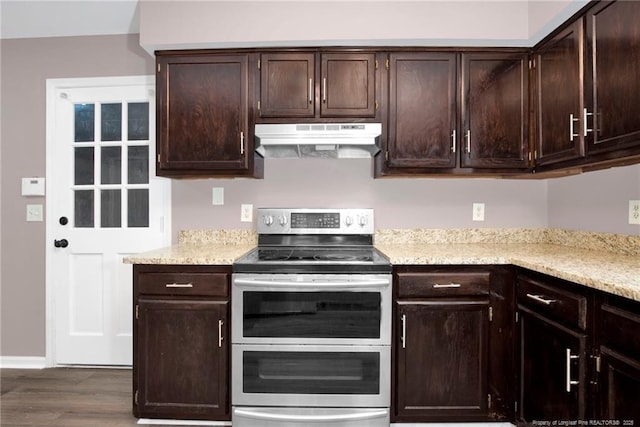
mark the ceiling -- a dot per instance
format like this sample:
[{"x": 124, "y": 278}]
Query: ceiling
[{"x": 54, "y": 18}]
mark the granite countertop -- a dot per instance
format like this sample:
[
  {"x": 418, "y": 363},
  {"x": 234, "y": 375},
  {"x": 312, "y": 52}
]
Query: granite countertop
[{"x": 609, "y": 263}]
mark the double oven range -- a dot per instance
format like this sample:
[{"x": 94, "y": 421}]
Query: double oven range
[{"x": 311, "y": 322}]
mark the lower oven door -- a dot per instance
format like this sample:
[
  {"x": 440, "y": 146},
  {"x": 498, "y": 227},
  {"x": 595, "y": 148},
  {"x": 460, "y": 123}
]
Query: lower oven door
[
  {"x": 317, "y": 417},
  {"x": 311, "y": 376}
]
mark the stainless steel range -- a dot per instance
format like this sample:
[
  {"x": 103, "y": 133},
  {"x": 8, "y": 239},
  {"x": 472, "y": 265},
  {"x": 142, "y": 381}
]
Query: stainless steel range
[{"x": 311, "y": 322}]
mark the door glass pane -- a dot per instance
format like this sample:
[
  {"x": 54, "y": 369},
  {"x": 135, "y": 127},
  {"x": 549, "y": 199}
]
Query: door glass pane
[
  {"x": 111, "y": 211},
  {"x": 138, "y": 164},
  {"x": 83, "y": 208},
  {"x": 302, "y": 372},
  {"x": 84, "y": 124},
  {"x": 138, "y": 121},
  {"x": 311, "y": 314},
  {"x": 111, "y": 165},
  {"x": 138, "y": 215},
  {"x": 111, "y": 122},
  {"x": 83, "y": 165}
]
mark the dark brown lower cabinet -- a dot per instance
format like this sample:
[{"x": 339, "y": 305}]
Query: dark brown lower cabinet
[
  {"x": 443, "y": 328},
  {"x": 553, "y": 367},
  {"x": 442, "y": 359},
  {"x": 181, "y": 347},
  {"x": 619, "y": 352}
]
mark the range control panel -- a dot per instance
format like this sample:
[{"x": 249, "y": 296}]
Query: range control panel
[{"x": 315, "y": 221}]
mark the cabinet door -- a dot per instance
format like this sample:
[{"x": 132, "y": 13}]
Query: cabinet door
[
  {"x": 182, "y": 358},
  {"x": 619, "y": 387},
  {"x": 442, "y": 360},
  {"x": 287, "y": 85},
  {"x": 613, "y": 36},
  {"x": 202, "y": 114},
  {"x": 494, "y": 110},
  {"x": 422, "y": 111},
  {"x": 348, "y": 85},
  {"x": 552, "y": 360},
  {"x": 560, "y": 110}
]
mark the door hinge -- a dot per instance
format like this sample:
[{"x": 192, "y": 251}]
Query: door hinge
[
  {"x": 387, "y": 64},
  {"x": 376, "y": 62},
  {"x": 158, "y": 67},
  {"x": 515, "y": 408},
  {"x": 135, "y": 397},
  {"x": 489, "y": 401},
  {"x": 377, "y": 105},
  {"x": 258, "y": 105},
  {"x": 532, "y": 64},
  {"x": 259, "y": 64},
  {"x": 158, "y": 157},
  {"x": 490, "y": 317},
  {"x": 137, "y": 307},
  {"x": 597, "y": 358},
  {"x": 535, "y": 154},
  {"x": 386, "y": 155},
  {"x": 530, "y": 156},
  {"x": 517, "y": 317}
]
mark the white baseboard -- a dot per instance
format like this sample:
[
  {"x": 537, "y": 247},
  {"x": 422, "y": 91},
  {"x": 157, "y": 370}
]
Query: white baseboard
[{"x": 22, "y": 362}]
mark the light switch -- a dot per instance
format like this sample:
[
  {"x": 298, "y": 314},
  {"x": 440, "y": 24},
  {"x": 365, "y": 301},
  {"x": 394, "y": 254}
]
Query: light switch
[
  {"x": 33, "y": 186},
  {"x": 34, "y": 213},
  {"x": 217, "y": 196}
]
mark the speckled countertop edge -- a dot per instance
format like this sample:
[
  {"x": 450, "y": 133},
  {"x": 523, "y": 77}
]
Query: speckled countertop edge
[{"x": 607, "y": 262}]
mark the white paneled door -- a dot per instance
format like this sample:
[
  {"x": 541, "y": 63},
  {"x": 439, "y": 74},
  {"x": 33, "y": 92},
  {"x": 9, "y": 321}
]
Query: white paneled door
[{"x": 103, "y": 203}]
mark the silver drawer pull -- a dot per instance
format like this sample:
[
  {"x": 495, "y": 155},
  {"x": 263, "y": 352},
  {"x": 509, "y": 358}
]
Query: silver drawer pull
[
  {"x": 570, "y": 382},
  {"x": 220, "y": 337},
  {"x": 542, "y": 300},
  {"x": 179, "y": 285},
  {"x": 450, "y": 285}
]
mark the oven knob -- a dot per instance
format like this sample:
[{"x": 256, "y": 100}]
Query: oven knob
[
  {"x": 363, "y": 221},
  {"x": 268, "y": 220},
  {"x": 348, "y": 220},
  {"x": 282, "y": 220}
]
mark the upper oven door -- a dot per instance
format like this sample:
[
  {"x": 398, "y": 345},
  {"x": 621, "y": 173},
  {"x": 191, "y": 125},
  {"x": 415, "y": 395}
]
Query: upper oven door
[{"x": 311, "y": 309}]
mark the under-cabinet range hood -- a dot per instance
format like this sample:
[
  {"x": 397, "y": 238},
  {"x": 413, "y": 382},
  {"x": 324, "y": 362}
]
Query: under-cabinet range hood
[{"x": 322, "y": 140}]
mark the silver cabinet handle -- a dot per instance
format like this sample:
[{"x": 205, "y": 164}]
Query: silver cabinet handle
[
  {"x": 585, "y": 114},
  {"x": 403, "y": 338},
  {"x": 450, "y": 285},
  {"x": 250, "y": 413},
  {"x": 571, "y": 120},
  {"x": 541, "y": 300},
  {"x": 220, "y": 338},
  {"x": 241, "y": 142},
  {"x": 570, "y": 382},
  {"x": 179, "y": 285},
  {"x": 453, "y": 141},
  {"x": 468, "y": 138},
  {"x": 324, "y": 90},
  {"x": 310, "y": 91}
]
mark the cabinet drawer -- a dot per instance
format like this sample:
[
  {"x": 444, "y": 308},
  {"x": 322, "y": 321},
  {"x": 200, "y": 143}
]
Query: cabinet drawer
[
  {"x": 553, "y": 302},
  {"x": 620, "y": 328},
  {"x": 184, "y": 283},
  {"x": 443, "y": 284}
]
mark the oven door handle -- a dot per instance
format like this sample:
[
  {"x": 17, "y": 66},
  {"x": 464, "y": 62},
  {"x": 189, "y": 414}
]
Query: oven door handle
[
  {"x": 311, "y": 418},
  {"x": 380, "y": 283}
]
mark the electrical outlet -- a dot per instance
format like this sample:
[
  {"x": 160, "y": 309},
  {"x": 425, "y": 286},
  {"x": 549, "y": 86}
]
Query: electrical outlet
[
  {"x": 634, "y": 211},
  {"x": 246, "y": 213},
  {"x": 478, "y": 212}
]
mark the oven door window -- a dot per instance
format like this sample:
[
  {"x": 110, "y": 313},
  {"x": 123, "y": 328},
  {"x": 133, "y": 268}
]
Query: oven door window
[
  {"x": 282, "y": 372},
  {"x": 311, "y": 314}
]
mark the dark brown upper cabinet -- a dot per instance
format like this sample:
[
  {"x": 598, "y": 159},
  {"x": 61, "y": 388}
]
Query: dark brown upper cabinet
[
  {"x": 613, "y": 67},
  {"x": 422, "y": 111},
  {"x": 317, "y": 85},
  {"x": 559, "y": 97},
  {"x": 495, "y": 108},
  {"x": 202, "y": 115}
]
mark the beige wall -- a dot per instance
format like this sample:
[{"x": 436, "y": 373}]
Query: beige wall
[{"x": 26, "y": 64}]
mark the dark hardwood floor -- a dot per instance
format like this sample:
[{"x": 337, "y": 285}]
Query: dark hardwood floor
[{"x": 67, "y": 397}]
